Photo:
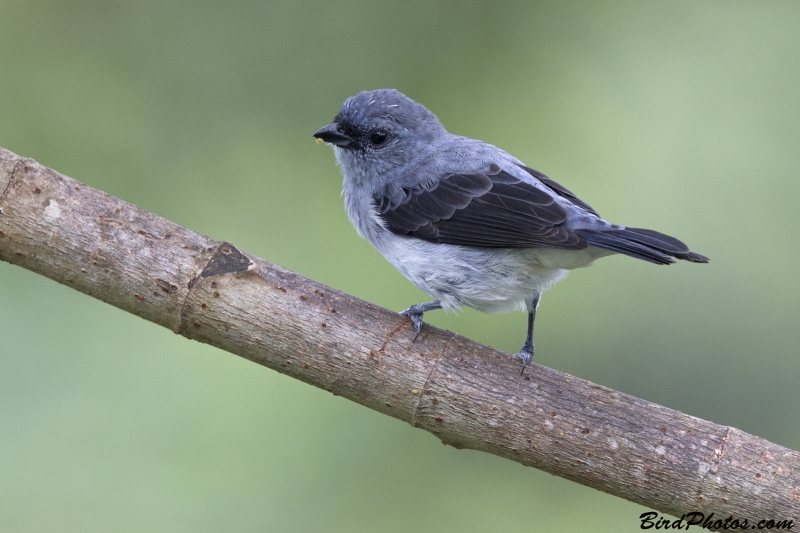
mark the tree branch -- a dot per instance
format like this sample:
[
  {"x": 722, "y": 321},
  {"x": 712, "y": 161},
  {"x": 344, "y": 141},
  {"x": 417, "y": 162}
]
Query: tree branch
[{"x": 468, "y": 395}]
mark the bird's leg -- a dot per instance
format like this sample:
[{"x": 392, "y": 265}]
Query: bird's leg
[
  {"x": 526, "y": 353},
  {"x": 415, "y": 313}
]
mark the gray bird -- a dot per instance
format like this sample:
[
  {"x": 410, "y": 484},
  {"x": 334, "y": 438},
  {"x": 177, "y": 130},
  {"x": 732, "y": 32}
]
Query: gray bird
[{"x": 463, "y": 220}]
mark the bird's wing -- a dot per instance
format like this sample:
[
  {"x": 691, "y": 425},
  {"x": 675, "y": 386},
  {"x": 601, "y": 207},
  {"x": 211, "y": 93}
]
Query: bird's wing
[
  {"x": 559, "y": 189},
  {"x": 491, "y": 209}
]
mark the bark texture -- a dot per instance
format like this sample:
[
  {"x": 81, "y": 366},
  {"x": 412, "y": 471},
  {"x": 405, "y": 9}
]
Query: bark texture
[{"x": 468, "y": 395}]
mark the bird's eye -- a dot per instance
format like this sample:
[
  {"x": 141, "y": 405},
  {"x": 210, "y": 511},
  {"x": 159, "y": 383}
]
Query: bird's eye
[{"x": 378, "y": 137}]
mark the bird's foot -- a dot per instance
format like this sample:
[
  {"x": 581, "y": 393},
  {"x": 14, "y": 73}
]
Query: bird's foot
[
  {"x": 525, "y": 355},
  {"x": 416, "y": 311},
  {"x": 415, "y": 314}
]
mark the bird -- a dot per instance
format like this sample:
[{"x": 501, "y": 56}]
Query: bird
[{"x": 465, "y": 221}]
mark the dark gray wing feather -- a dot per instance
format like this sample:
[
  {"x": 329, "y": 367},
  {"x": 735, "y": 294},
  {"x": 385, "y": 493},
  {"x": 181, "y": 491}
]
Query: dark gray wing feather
[
  {"x": 559, "y": 189},
  {"x": 493, "y": 209}
]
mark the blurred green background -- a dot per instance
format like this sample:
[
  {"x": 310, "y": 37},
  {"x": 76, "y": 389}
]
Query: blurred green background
[{"x": 678, "y": 116}]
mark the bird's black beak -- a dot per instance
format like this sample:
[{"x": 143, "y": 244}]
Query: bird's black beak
[{"x": 330, "y": 134}]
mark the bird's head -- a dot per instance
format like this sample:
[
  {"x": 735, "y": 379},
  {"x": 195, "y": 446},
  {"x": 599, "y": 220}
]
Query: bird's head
[{"x": 378, "y": 132}]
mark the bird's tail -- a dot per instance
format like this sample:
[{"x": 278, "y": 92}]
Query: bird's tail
[{"x": 644, "y": 244}]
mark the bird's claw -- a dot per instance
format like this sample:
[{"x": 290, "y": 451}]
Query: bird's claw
[
  {"x": 416, "y": 318},
  {"x": 525, "y": 355}
]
